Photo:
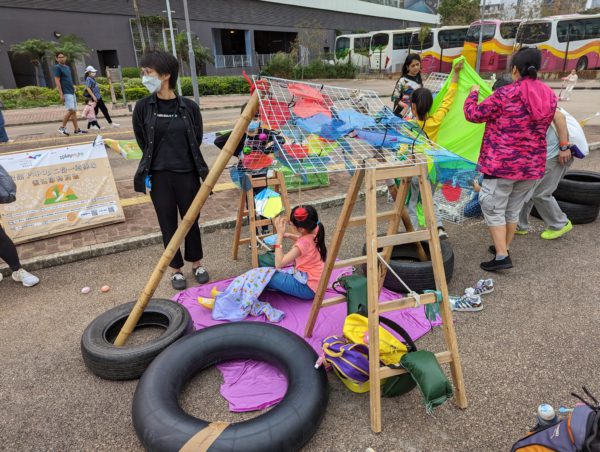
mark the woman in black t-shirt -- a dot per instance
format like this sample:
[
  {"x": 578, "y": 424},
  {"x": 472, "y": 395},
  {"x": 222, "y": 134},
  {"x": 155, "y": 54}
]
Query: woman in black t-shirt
[{"x": 168, "y": 129}]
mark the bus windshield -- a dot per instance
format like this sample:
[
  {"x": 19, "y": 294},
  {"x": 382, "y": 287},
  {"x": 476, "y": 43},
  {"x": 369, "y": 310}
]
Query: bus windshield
[
  {"x": 534, "y": 32},
  {"x": 342, "y": 44},
  {"x": 415, "y": 43},
  {"x": 379, "y": 40},
  {"x": 473, "y": 34}
]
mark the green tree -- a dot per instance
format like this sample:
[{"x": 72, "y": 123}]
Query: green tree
[
  {"x": 423, "y": 32},
  {"x": 36, "y": 50},
  {"x": 459, "y": 12},
  {"x": 73, "y": 47},
  {"x": 202, "y": 54}
]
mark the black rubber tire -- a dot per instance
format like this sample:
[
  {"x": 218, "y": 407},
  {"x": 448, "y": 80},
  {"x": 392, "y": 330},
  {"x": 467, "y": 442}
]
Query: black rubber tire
[
  {"x": 162, "y": 425},
  {"x": 582, "y": 64},
  {"x": 416, "y": 274},
  {"x": 105, "y": 360},
  {"x": 579, "y": 187},
  {"x": 577, "y": 213}
]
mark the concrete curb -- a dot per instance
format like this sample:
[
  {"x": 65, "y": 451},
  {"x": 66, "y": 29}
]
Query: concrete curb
[{"x": 155, "y": 238}]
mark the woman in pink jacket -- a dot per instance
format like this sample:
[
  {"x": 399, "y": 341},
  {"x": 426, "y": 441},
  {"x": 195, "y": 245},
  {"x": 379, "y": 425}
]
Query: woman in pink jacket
[{"x": 513, "y": 152}]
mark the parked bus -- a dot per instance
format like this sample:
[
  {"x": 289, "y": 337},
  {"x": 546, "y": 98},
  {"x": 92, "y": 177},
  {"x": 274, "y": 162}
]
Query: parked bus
[
  {"x": 353, "y": 46},
  {"x": 389, "y": 49},
  {"x": 440, "y": 47},
  {"x": 498, "y": 41},
  {"x": 567, "y": 42}
]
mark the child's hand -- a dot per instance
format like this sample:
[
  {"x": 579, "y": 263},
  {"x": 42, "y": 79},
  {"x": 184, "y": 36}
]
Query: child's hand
[
  {"x": 457, "y": 67},
  {"x": 475, "y": 89},
  {"x": 476, "y": 186},
  {"x": 280, "y": 225}
]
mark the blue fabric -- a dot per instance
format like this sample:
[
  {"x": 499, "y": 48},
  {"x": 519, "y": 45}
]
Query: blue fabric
[
  {"x": 91, "y": 84},
  {"x": 288, "y": 284},
  {"x": 324, "y": 126},
  {"x": 3, "y": 134},
  {"x": 355, "y": 119},
  {"x": 381, "y": 138},
  {"x": 66, "y": 79}
]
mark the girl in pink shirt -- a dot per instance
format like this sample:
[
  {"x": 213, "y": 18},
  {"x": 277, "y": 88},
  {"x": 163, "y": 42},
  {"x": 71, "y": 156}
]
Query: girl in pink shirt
[{"x": 308, "y": 254}]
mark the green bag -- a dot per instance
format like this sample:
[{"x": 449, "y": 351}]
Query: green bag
[
  {"x": 425, "y": 370},
  {"x": 267, "y": 259}
]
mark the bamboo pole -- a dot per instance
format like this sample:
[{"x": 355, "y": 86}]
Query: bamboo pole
[{"x": 186, "y": 223}]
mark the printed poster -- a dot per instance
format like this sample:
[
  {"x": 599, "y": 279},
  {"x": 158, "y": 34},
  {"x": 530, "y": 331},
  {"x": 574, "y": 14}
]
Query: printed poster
[{"x": 60, "y": 190}]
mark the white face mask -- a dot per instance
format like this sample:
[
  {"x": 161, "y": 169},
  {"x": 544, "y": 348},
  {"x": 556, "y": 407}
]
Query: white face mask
[{"x": 151, "y": 83}]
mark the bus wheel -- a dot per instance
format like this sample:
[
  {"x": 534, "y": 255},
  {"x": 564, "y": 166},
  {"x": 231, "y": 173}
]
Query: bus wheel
[{"x": 582, "y": 64}]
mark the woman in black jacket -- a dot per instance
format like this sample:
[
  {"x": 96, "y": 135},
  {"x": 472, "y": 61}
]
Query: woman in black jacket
[{"x": 168, "y": 129}]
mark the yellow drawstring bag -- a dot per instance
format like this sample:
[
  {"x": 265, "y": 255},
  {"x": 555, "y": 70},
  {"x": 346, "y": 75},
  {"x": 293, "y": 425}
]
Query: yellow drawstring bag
[{"x": 356, "y": 328}]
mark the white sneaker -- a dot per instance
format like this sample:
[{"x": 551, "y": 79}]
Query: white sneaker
[
  {"x": 115, "y": 125},
  {"x": 1, "y": 276},
  {"x": 23, "y": 276},
  {"x": 94, "y": 127}
]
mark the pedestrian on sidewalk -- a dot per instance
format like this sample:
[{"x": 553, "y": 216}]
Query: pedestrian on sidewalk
[
  {"x": 89, "y": 114},
  {"x": 8, "y": 251},
  {"x": 3, "y": 135},
  {"x": 570, "y": 81},
  {"x": 168, "y": 129},
  {"x": 92, "y": 91},
  {"x": 66, "y": 90}
]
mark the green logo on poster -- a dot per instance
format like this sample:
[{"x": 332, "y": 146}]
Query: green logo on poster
[{"x": 59, "y": 193}]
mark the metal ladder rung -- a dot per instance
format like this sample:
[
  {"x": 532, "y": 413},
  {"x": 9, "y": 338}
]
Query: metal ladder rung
[
  {"x": 403, "y": 238},
  {"x": 386, "y": 372}
]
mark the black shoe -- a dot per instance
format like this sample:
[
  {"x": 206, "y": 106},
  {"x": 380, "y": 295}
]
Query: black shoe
[
  {"x": 201, "y": 275},
  {"x": 492, "y": 249},
  {"x": 493, "y": 265},
  {"x": 178, "y": 281},
  {"x": 80, "y": 132}
]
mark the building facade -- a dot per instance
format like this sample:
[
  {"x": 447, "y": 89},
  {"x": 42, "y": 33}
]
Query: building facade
[{"x": 241, "y": 34}]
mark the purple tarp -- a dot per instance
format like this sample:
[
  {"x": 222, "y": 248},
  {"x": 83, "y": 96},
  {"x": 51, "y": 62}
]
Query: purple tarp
[{"x": 250, "y": 385}]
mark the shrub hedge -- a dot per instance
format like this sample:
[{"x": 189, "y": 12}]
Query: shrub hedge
[
  {"x": 34, "y": 96},
  {"x": 282, "y": 65}
]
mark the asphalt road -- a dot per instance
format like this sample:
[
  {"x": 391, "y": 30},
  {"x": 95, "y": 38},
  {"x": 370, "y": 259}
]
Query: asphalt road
[{"x": 536, "y": 341}]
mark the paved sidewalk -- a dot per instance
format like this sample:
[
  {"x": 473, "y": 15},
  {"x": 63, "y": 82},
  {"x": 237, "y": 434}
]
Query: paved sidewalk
[
  {"x": 141, "y": 227},
  {"x": 22, "y": 116}
]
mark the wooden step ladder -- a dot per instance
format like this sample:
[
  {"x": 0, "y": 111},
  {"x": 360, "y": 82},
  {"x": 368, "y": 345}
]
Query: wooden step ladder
[
  {"x": 247, "y": 209},
  {"x": 376, "y": 273}
]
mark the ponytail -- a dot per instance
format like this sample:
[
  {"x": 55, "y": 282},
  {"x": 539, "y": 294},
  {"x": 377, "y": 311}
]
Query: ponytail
[{"x": 320, "y": 241}]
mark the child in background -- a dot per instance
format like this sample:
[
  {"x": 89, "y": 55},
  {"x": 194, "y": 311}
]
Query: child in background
[
  {"x": 89, "y": 114},
  {"x": 406, "y": 84},
  {"x": 571, "y": 81},
  {"x": 421, "y": 103}
]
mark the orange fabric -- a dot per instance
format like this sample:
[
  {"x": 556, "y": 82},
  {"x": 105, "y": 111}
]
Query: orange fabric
[{"x": 309, "y": 260}]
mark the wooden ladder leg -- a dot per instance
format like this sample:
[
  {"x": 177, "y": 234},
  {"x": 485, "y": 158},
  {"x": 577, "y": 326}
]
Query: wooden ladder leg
[
  {"x": 373, "y": 299},
  {"x": 285, "y": 199},
  {"x": 252, "y": 225},
  {"x": 238, "y": 226},
  {"x": 440, "y": 283},
  {"x": 334, "y": 249},
  {"x": 393, "y": 225}
]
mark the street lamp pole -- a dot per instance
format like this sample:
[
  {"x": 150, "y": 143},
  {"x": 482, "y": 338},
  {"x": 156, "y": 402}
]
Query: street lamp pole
[
  {"x": 173, "y": 41},
  {"x": 481, "y": 14},
  {"x": 191, "y": 54}
]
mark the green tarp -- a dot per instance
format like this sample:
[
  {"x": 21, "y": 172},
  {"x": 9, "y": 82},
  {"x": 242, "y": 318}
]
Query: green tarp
[{"x": 456, "y": 133}]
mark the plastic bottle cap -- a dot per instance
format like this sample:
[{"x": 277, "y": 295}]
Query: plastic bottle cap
[{"x": 546, "y": 412}]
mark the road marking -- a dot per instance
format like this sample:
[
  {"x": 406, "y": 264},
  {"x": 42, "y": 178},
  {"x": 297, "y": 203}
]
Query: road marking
[{"x": 146, "y": 198}]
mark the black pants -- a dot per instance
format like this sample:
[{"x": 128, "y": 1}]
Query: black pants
[
  {"x": 100, "y": 105},
  {"x": 172, "y": 192},
  {"x": 8, "y": 251},
  {"x": 93, "y": 123}
]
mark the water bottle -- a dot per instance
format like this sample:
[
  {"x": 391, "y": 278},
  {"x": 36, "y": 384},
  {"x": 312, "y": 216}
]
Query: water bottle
[{"x": 545, "y": 418}]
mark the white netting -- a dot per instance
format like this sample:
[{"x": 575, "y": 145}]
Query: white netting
[
  {"x": 435, "y": 81},
  {"x": 311, "y": 128}
]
